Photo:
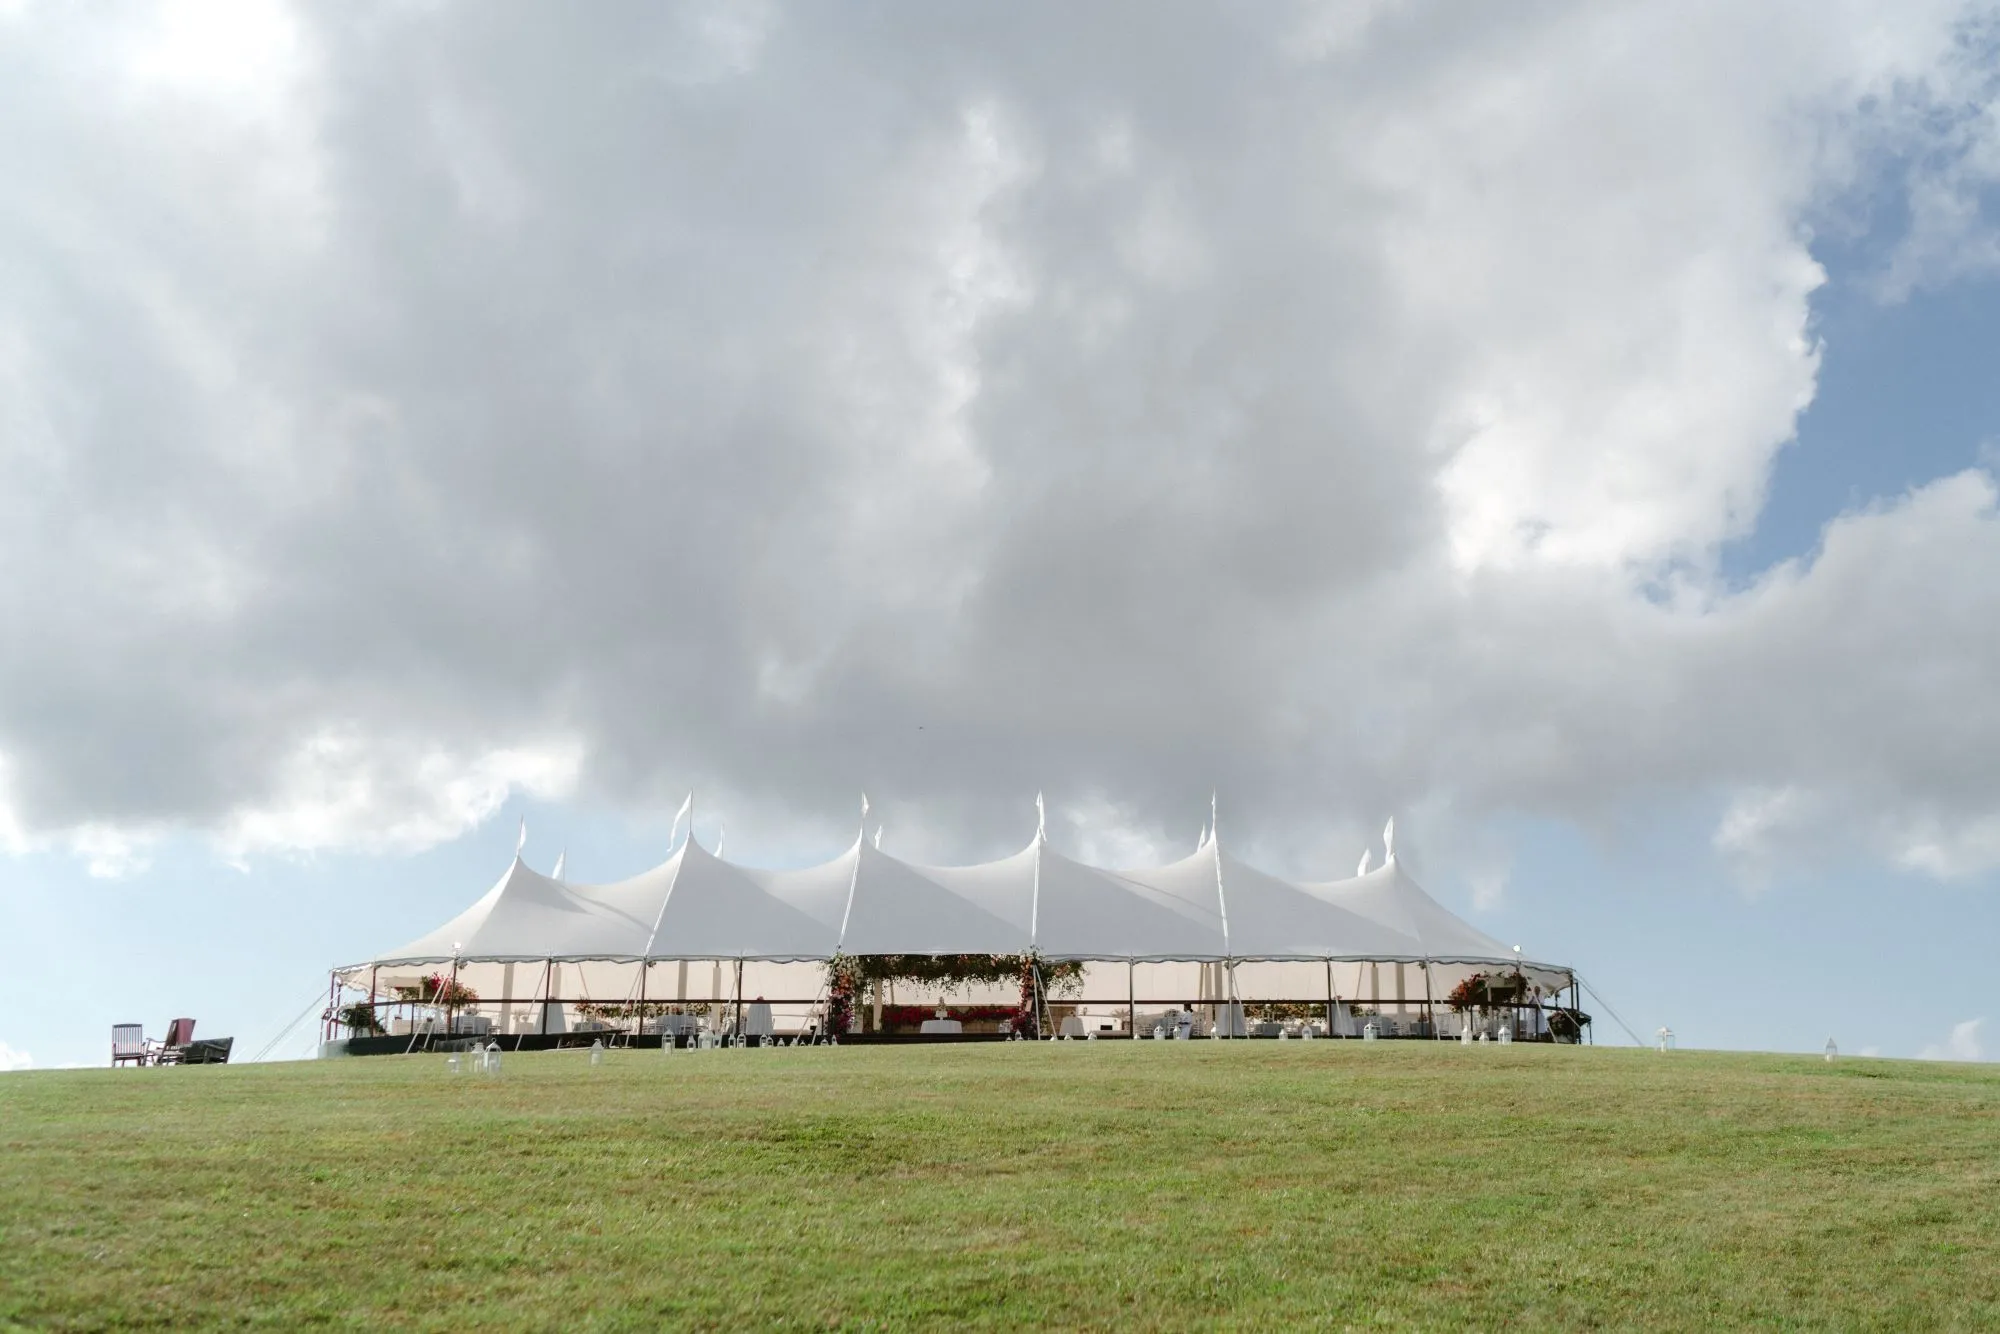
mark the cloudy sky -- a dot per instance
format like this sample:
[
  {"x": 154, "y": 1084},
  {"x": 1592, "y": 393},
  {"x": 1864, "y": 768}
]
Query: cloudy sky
[{"x": 1571, "y": 427}]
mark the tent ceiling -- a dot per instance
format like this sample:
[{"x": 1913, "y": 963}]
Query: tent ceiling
[{"x": 1207, "y": 907}]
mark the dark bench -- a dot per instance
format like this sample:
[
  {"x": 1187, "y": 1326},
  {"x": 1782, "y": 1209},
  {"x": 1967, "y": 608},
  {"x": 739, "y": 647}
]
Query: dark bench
[{"x": 208, "y": 1051}]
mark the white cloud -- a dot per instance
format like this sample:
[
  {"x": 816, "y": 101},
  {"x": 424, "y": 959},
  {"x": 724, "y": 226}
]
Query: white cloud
[
  {"x": 340, "y": 790},
  {"x": 11, "y": 1059},
  {"x": 1962, "y": 1045},
  {"x": 1489, "y": 889},
  {"x": 109, "y": 852},
  {"x": 1354, "y": 419},
  {"x": 1756, "y": 821}
]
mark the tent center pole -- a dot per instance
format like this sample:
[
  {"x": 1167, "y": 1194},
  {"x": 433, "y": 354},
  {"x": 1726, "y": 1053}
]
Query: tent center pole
[{"x": 1131, "y": 1001}]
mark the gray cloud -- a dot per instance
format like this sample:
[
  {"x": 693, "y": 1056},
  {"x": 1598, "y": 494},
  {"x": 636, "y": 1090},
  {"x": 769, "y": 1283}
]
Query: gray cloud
[{"x": 401, "y": 407}]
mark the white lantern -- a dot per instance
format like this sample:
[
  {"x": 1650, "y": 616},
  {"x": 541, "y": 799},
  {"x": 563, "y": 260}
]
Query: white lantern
[
  {"x": 1369, "y": 1033},
  {"x": 492, "y": 1058},
  {"x": 597, "y": 1051},
  {"x": 1831, "y": 1050},
  {"x": 451, "y": 1064}
]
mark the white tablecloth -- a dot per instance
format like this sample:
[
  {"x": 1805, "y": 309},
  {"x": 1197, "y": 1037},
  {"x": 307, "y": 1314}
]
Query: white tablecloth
[{"x": 942, "y": 1026}]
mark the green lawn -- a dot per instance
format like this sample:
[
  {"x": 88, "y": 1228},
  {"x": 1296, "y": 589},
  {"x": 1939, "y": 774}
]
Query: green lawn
[{"x": 1255, "y": 1184}]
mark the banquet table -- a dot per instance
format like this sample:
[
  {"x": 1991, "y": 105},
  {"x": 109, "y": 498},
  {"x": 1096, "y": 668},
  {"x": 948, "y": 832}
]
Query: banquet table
[{"x": 942, "y": 1026}]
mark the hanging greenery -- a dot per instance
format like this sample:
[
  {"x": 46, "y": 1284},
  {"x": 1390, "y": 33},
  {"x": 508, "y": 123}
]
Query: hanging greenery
[
  {"x": 638, "y": 1009},
  {"x": 959, "y": 972}
]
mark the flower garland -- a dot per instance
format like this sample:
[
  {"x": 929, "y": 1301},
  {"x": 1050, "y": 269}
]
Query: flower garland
[{"x": 1484, "y": 989}]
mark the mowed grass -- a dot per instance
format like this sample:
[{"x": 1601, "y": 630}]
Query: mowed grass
[{"x": 1135, "y": 1185}]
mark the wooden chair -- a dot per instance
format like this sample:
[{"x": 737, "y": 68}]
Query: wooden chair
[
  {"x": 128, "y": 1043},
  {"x": 180, "y": 1032}
]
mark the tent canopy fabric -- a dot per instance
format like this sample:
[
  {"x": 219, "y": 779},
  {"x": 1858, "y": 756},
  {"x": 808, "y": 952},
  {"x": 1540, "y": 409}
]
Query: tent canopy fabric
[{"x": 1209, "y": 907}]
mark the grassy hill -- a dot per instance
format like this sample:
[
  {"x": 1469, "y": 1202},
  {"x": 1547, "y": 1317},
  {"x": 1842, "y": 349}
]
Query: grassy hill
[{"x": 1075, "y": 1184}]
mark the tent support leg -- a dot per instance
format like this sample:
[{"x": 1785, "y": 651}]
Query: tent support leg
[
  {"x": 1131, "y": 1002},
  {"x": 1430, "y": 1016},
  {"x": 739, "y": 1001},
  {"x": 548, "y": 973},
  {"x": 1329, "y": 998},
  {"x": 639, "y": 1017}
]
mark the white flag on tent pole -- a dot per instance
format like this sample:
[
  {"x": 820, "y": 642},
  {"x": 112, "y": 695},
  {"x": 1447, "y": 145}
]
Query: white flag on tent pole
[
  {"x": 687, "y": 809},
  {"x": 720, "y": 834},
  {"x": 522, "y": 841},
  {"x": 864, "y": 805},
  {"x": 878, "y": 838},
  {"x": 1389, "y": 841},
  {"x": 1367, "y": 856},
  {"x": 1041, "y": 818},
  {"x": 561, "y": 857},
  {"x": 1214, "y": 825}
]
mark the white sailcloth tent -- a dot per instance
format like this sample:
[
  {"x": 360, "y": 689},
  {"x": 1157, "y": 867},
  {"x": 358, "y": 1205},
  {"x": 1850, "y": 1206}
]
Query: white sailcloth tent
[{"x": 538, "y": 947}]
